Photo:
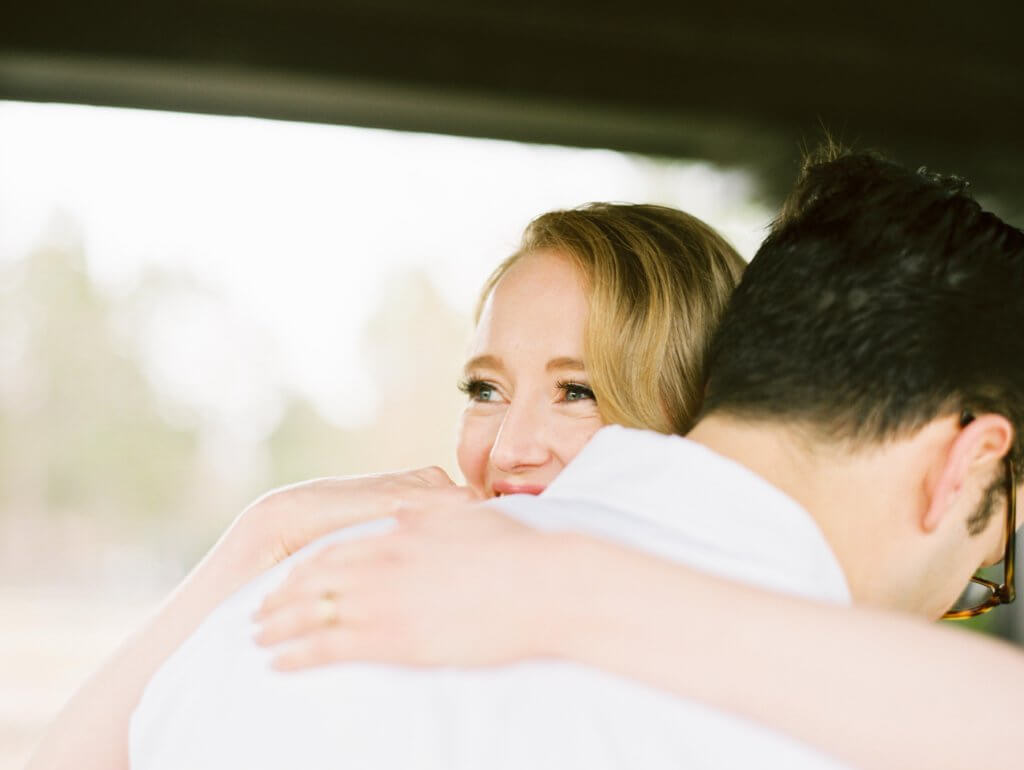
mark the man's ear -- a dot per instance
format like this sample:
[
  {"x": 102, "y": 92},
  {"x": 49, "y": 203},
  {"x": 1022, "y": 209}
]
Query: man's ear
[{"x": 977, "y": 448}]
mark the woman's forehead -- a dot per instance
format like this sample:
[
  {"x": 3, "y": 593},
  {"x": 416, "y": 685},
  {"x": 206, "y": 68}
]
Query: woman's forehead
[{"x": 539, "y": 307}]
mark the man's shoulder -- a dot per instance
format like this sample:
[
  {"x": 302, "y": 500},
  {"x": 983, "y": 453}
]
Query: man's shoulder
[{"x": 681, "y": 500}]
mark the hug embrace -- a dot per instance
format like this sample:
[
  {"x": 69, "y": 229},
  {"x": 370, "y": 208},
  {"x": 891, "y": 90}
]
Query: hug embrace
[{"x": 605, "y": 592}]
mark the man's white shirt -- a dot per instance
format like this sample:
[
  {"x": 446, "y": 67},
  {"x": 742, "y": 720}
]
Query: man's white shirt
[{"x": 216, "y": 703}]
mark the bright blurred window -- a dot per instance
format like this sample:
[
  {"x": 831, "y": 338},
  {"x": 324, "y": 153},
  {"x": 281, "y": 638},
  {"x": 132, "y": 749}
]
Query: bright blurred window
[{"x": 194, "y": 309}]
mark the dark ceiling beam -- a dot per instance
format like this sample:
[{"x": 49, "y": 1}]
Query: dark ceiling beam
[{"x": 930, "y": 82}]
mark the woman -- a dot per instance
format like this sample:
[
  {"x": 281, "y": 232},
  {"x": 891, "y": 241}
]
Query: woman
[{"x": 601, "y": 316}]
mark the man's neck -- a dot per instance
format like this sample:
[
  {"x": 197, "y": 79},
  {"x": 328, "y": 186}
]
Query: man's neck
[{"x": 844, "y": 493}]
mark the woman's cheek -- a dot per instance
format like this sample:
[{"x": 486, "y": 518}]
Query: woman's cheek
[
  {"x": 473, "y": 450},
  {"x": 574, "y": 437}
]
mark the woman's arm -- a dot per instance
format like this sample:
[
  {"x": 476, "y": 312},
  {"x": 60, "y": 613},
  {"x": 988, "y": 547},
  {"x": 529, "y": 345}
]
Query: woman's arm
[
  {"x": 875, "y": 689},
  {"x": 91, "y": 732},
  {"x": 468, "y": 587},
  {"x": 92, "y": 729}
]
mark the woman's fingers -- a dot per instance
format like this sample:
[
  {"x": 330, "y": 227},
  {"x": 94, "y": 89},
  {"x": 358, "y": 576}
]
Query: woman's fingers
[
  {"x": 434, "y": 497},
  {"x": 331, "y": 645},
  {"x": 455, "y": 516},
  {"x": 328, "y": 571},
  {"x": 432, "y": 590},
  {"x": 284, "y": 520},
  {"x": 337, "y": 604},
  {"x": 299, "y": 617},
  {"x": 419, "y": 524},
  {"x": 434, "y": 476},
  {"x": 311, "y": 584}
]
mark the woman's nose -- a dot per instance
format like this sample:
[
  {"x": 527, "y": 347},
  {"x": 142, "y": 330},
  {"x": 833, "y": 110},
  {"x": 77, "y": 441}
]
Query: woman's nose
[{"x": 520, "y": 442}]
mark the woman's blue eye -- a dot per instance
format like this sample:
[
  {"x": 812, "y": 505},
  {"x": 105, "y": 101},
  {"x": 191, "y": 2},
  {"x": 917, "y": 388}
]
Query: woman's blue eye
[
  {"x": 484, "y": 393},
  {"x": 576, "y": 392},
  {"x": 479, "y": 390}
]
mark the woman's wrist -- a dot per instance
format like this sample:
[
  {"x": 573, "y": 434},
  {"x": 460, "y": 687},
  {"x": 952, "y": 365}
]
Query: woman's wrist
[
  {"x": 247, "y": 548},
  {"x": 260, "y": 538},
  {"x": 600, "y": 600},
  {"x": 565, "y": 578}
]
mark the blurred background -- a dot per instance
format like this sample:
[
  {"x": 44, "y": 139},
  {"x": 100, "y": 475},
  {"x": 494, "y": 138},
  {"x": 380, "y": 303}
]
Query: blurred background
[{"x": 240, "y": 240}]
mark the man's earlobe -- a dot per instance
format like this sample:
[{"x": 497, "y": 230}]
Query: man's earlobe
[{"x": 978, "y": 447}]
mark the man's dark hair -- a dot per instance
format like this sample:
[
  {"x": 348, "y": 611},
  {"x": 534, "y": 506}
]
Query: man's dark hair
[{"x": 882, "y": 298}]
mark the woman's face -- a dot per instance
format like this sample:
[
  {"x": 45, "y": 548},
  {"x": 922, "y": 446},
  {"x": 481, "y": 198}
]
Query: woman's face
[{"x": 530, "y": 407}]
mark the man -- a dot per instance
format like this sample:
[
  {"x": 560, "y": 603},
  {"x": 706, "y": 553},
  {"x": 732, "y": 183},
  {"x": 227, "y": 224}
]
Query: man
[{"x": 865, "y": 389}]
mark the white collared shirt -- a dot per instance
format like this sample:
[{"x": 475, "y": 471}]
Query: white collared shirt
[{"x": 216, "y": 703}]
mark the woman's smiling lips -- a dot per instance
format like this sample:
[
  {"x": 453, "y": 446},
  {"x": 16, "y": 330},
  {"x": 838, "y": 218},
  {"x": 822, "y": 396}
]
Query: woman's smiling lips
[{"x": 505, "y": 488}]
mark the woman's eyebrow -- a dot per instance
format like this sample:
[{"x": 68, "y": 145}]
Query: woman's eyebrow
[
  {"x": 485, "y": 362},
  {"x": 566, "y": 362}
]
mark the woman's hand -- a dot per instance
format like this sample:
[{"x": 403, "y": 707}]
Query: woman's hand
[
  {"x": 462, "y": 585},
  {"x": 284, "y": 520}
]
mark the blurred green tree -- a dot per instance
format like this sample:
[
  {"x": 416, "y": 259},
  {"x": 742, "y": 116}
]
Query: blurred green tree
[{"x": 81, "y": 431}]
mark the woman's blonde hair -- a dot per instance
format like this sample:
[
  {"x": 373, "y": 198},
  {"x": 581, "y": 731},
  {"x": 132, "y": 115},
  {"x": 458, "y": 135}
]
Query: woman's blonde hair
[{"x": 658, "y": 280}]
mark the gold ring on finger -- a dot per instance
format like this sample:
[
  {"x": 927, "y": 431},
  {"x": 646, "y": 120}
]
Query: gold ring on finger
[{"x": 327, "y": 609}]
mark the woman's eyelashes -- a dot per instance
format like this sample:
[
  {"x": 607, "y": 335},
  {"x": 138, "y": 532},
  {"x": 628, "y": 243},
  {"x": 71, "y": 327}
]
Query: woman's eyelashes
[
  {"x": 569, "y": 391},
  {"x": 575, "y": 391},
  {"x": 479, "y": 390}
]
